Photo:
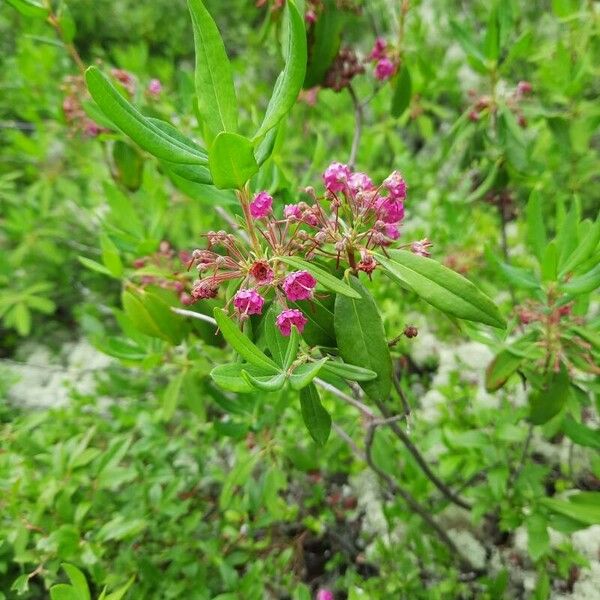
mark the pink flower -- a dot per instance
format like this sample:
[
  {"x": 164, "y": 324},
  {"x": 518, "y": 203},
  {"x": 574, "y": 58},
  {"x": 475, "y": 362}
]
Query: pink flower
[
  {"x": 379, "y": 48},
  {"x": 390, "y": 210},
  {"x": 384, "y": 69},
  {"x": 392, "y": 231},
  {"x": 289, "y": 317},
  {"x": 336, "y": 176},
  {"x": 360, "y": 182},
  {"x": 248, "y": 302},
  {"x": 204, "y": 289},
  {"x": 310, "y": 16},
  {"x": 262, "y": 272},
  {"x": 261, "y": 206},
  {"x": 154, "y": 87},
  {"x": 292, "y": 212},
  {"x": 310, "y": 218},
  {"x": 299, "y": 286},
  {"x": 421, "y": 248},
  {"x": 396, "y": 185},
  {"x": 524, "y": 88}
]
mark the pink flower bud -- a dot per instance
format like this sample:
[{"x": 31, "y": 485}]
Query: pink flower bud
[
  {"x": 396, "y": 185},
  {"x": 261, "y": 206},
  {"x": 421, "y": 248},
  {"x": 204, "y": 289},
  {"x": 390, "y": 210},
  {"x": 384, "y": 69},
  {"x": 299, "y": 286},
  {"x": 336, "y": 176},
  {"x": 524, "y": 88},
  {"x": 292, "y": 212},
  {"x": 379, "y": 49},
  {"x": 154, "y": 87},
  {"x": 310, "y": 17},
  {"x": 185, "y": 299},
  {"x": 248, "y": 302},
  {"x": 360, "y": 182},
  {"x": 289, "y": 317}
]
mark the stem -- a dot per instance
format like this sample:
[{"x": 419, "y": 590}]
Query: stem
[
  {"x": 439, "y": 484},
  {"x": 412, "y": 502},
  {"x": 358, "y": 124},
  {"x": 54, "y": 21},
  {"x": 244, "y": 198},
  {"x": 517, "y": 472}
]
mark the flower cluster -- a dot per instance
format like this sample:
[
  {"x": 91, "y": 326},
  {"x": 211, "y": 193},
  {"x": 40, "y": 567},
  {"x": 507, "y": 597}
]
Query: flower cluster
[
  {"x": 345, "y": 224},
  {"x": 386, "y": 62}
]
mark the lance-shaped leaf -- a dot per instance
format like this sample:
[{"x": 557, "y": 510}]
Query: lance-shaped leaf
[
  {"x": 290, "y": 80},
  {"x": 231, "y": 161},
  {"x": 305, "y": 373},
  {"x": 327, "y": 280},
  {"x": 443, "y": 288},
  {"x": 549, "y": 401},
  {"x": 266, "y": 383},
  {"x": 217, "y": 102},
  {"x": 402, "y": 92},
  {"x": 241, "y": 344},
  {"x": 30, "y": 8},
  {"x": 229, "y": 376},
  {"x": 361, "y": 339},
  {"x": 352, "y": 372},
  {"x": 143, "y": 131},
  {"x": 316, "y": 418}
]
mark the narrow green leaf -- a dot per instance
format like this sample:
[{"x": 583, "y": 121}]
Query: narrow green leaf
[
  {"x": 268, "y": 383},
  {"x": 584, "y": 284},
  {"x": 62, "y": 591},
  {"x": 171, "y": 396},
  {"x": 94, "y": 266},
  {"x": 538, "y": 540},
  {"x": 586, "y": 512},
  {"x": 505, "y": 363},
  {"x": 231, "y": 161},
  {"x": 276, "y": 343},
  {"x": 217, "y": 102},
  {"x": 549, "y": 263},
  {"x": 347, "y": 371},
  {"x": 120, "y": 593},
  {"x": 291, "y": 351},
  {"x": 443, "y": 288},
  {"x": 549, "y": 401},
  {"x": 229, "y": 376},
  {"x": 111, "y": 256},
  {"x": 536, "y": 231},
  {"x": 316, "y": 418},
  {"x": 361, "y": 339},
  {"x": 305, "y": 373},
  {"x": 581, "y": 434},
  {"x": 491, "y": 42},
  {"x": 290, "y": 80},
  {"x": 472, "y": 50},
  {"x": 402, "y": 92},
  {"x": 241, "y": 344},
  {"x": 520, "y": 278},
  {"x": 141, "y": 130},
  {"x": 588, "y": 243},
  {"x": 327, "y": 280},
  {"x": 78, "y": 581},
  {"x": 30, "y": 8}
]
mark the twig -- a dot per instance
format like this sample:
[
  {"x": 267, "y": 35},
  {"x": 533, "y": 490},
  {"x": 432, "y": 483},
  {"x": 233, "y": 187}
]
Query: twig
[
  {"x": 403, "y": 399},
  {"x": 194, "y": 315},
  {"x": 517, "y": 472},
  {"x": 439, "y": 484},
  {"x": 355, "y": 449},
  {"x": 412, "y": 502},
  {"x": 358, "y": 123},
  {"x": 363, "y": 408}
]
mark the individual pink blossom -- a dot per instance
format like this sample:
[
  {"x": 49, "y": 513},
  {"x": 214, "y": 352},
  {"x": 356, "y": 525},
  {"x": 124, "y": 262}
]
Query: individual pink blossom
[
  {"x": 292, "y": 212},
  {"x": 379, "y": 49},
  {"x": 125, "y": 78},
  {"x": 336, "y": 177},
  {"x": 154, "y": 87},
  {"x": 248, "y": 302},
  {"x": 299, "y": 286},
  {"x": 524, "y": 88},
  {"x": 289, "y": 317},
  {"x": 367, "y": 262},
  {"x": 310, "y": 17},
  {"x": 389, "y": 209},
  {"x": 384, "y": 69},
  {"x": 360, "y": 182},
  {"x": 421, "y": 248},
  {"x": 204, "y": 289},
  {"x": 262, "y": 272},
  {"x": 310, "y": 217},
  {"x": 261, "y": 206},
  {"x": 396, "y": 185},
  {"x": 392, "y": 231}
]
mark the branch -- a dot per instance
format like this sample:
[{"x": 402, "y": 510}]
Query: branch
[
  {"x": 194, "y": 315},
  {"x": 358, "y": 123}
]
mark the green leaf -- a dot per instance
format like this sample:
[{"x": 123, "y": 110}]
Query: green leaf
[
  {"x": 282, "y": 349},
  {"x": 217, "y": 102},
  {"x": 241, "y": 344},
  {"x": 111, "y": 256},
  {"x": 402, "y": 92},
  {"x": 585, "y": 509},
  {"x": 305, "y": 373},
  {"x": 538, "y": 540},
  {"x": 549, "y": 262},
  {"x": 171, "y": 396},
  {"x": 292, "y": 348},
  {"x": 361, "y": 339},
  {"x": 505, "y": 363},
  {"x": 548, "y": 402},
  {"x": 584, "y": 284},
  {"x": 94, "y": 266},
  {"x": 318, "y": 330},
  {"x": 290, "y": 80},
  {"x": 231, "y": 161},
  {"x": 581, "y": 434},
  {"x": 536, "y": 231},
  {"x": 78, "y": 581},
  {"x": 472, "y": 50},
  {"x": 141, "y": 130},
  {"x": 443, "y": 288},
  {"x": 268, "y": 383},
  {"x": 584, "y": 250},
  {"x": 316, "y": 418},
  {"x": 62, "y": 591},
  {"x": 520, "y": 278},
  {"x": 120, "y": 593},
  {"x": 230, "y": 378},
  {"x": 121, "y": 528},
  {"x": 30, "y": 8},
  {"x": 491, "y": 42},
  {"x": 347, "y": 371},
  {"x": 327, "y": 280}
]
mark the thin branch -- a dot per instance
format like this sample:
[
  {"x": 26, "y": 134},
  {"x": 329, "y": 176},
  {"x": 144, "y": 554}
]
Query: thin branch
[
  {"x": 404, "y": 400},
  {"x": 358, "y": 124},
  {"x": 439, "y": 484},
  {"x": 194, "y": 315},
  {"x": 517, "y": 472},
  {"x": 363, "y": 408},
  {"x": 412, "y": 502}
]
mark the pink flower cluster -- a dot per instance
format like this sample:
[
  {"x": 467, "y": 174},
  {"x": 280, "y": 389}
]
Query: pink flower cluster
[
  {"x": 386, "y": 63},
  {"x": 345, "y": 224}
]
